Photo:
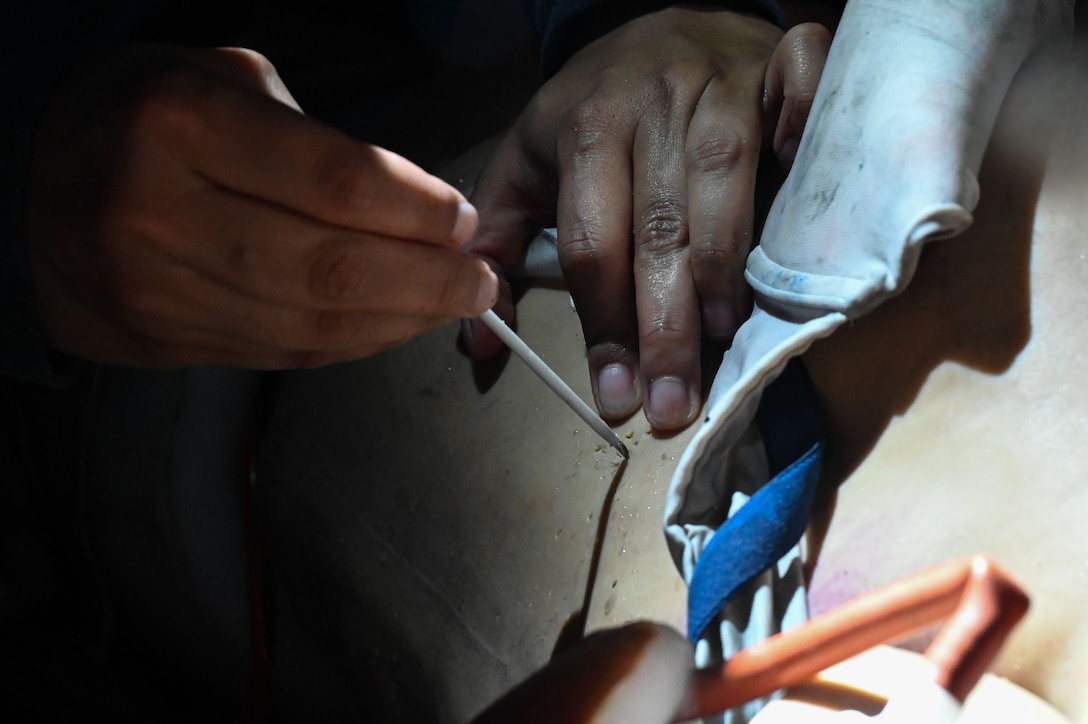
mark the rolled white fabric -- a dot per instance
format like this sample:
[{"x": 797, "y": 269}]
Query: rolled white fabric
[
  {"x": 893, "y": 145},
  {"x": 889, "y": 160}
]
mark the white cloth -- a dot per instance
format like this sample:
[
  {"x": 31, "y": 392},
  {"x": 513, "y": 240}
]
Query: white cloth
[{"x": 888, "y": 162}]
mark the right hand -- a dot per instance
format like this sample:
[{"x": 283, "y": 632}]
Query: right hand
[
  {"x": 646, "y": 163},
  {"x": 182, "y": 210}
]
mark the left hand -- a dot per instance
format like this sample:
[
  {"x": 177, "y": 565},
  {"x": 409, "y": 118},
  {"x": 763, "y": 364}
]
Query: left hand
[
  {"x": 182, "y": 210},
  {"x": 643, "y": 150}
]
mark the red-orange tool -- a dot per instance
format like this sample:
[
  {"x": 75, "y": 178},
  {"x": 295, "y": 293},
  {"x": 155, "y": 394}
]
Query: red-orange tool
[{"x": 979, "y": 601}]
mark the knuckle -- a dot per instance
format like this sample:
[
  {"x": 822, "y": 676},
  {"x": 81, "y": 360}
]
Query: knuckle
[
  {"x": 337, "y": 277},
  {"x": 591, "y": 121},
  {"x": 583, "y": 246},
  {"x": 664, "y": 91},
  {"x": 661, "y": 330},
  {"x": 721, "y": 152},
  {"x": 663, "y": 227}
]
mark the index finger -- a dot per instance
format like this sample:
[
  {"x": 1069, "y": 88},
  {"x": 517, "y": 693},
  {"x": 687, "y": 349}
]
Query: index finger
[
  {"x": 594, "y": 229},
  {"x": 253, "y": 144}
]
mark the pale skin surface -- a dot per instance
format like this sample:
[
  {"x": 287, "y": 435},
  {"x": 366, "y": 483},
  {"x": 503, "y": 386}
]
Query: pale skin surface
[
  {"x": 957, "y": 410},
  {"x": 192, "y": 215},
  {"x": 647, "y": 165}
]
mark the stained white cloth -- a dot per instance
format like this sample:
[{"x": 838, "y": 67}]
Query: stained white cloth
[{"x": 888, "y": 162}]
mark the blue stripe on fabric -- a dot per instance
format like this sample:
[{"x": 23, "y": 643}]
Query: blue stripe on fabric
[{"x": 774, "y": 519}]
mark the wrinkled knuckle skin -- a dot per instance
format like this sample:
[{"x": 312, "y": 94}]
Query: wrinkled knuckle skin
[
  {"x": 664, "y": 228},
  {"x": 721, "y": 153},
  {"x": 583, "y": 247},
  {"x": 662, "y": 330},
  {"x": 664, "y": 91},
  {"x": 589, "y": 123}
]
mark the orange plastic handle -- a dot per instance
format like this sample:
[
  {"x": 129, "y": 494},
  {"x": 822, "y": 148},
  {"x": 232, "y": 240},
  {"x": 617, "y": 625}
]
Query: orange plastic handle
[{"x": 980, "y": 601}]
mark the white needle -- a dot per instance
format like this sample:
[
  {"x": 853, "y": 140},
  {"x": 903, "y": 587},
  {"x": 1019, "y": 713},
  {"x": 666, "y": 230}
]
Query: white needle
[{"x": 554, "y": 381}]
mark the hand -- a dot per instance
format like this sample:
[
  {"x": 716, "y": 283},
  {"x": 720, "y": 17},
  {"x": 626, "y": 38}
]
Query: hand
[
  {"x": 636, "y": 674},
  {"x": 182, "y": 210},
  {"x": 646, "y": 163}
]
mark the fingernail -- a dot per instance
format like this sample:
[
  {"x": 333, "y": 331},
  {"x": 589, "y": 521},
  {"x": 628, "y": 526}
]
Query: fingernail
[
  {"x": 719, "y": 320},
  {"x": 671, "y": 404},
  {"x": 464, "y": 227},
  {"x": 488, "y": 293},
  {"x": 617, "y": 390}
]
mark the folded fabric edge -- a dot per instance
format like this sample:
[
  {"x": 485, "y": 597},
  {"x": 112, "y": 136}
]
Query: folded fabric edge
[
  {"x": 760, "y": 352},
  {"x": 802, "y": 294}
]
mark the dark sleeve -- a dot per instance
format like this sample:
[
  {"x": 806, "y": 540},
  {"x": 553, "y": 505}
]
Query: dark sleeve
[
  {"x": 27, "y": 78},
  {"x": 48, "y": 39},
  {"x": 565, "y": 26}
]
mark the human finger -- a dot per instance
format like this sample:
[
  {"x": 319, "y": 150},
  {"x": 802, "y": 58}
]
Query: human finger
[
  {"x": 256, "y": 145},
  {"x": 792, "y": 78},
  {"x": 722, "y": 157},
  {"x": 275, "y": 255},
  {"x": 666, "y": 304},
  {"x": 594, "y": 210},
  {"x": 188, "y": 318}
]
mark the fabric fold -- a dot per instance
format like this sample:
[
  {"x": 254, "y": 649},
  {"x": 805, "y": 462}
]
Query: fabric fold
[{"x": 888, "y": 163}]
